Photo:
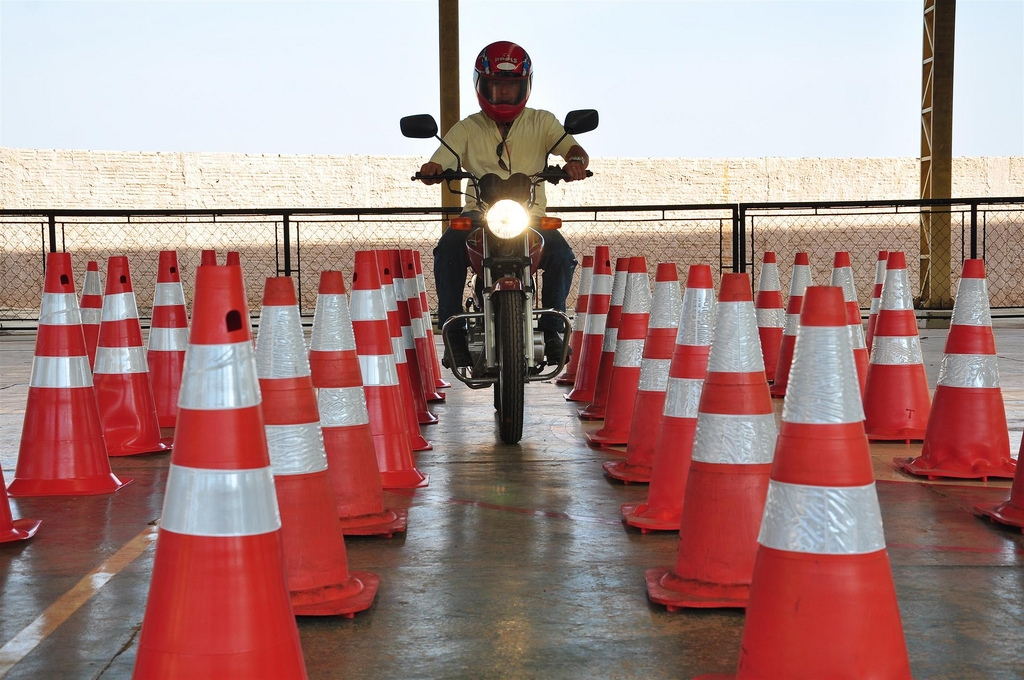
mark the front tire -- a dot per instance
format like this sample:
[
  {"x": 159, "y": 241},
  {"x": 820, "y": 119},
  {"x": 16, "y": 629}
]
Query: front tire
[{"x": 511, "y": 365}]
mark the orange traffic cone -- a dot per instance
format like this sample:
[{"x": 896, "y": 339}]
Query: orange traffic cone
[
  {"x": 233, "y": 258},
  {"x": 387, "y": 289},
  {"x": 664, "y": 506},
  {"x": 1011, "y": 511},
  {"x": 629, "y": 349},
  {"x": 380, "y": 378},
  {"x": 218, "y": 603},
  {"x": 579, "y": 322},
  {"x": 842, "y": 276},
  {"x": 123, "y": 389},
  {"x": 599, "y": 403},
  {"x": 13, "y": 529},
  {"x": 61, "y": 451},
  {"x": 650, "y": 396},
  {"x": 314, "y": 548},
  {"x": 876, "y": 297},
  {"x": 351, "y": 461},
  {"x": 421, "y": 284},
  {"x": 424, "y": 358},
  {"x": 771, "y": 314},
  {"x": 92, "y": 308},
  {"x": 822, "y": 601},
  {"x": 168, "y": 338},
  {"x": 402, "y": 288},
  {"x": 209, "y": 258},
  {"x": 967, "y": 436},
  {"x": 598, "y": 304},
  {"x": 801, "y": 279},
  {"x": 728, "y": 478},
  {"x": 896, "y": 399}
]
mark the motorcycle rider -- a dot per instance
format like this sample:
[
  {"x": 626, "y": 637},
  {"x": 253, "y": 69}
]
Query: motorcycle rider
[{"x": 503, "y": 138}]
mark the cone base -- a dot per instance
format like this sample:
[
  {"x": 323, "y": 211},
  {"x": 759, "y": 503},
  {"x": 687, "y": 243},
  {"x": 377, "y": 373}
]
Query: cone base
[
  {"x": 645, "y": 518},
  {"x": 694, "y": 594},
  {"x": 167, "y": 420},
  {"x": 591, "y": 412},
  {"x": 1003, "y": 513},
  {"x": 21, "y": 530},
  {"x": 441, "y": 384},
  {"x": 626, "y": 473},
  {"x": 579, "y": 396},
  {"x": 94, "y": 486},
  {"x": 606, "y": 437},
  {"x": 426, "y": 418},
  {"x": 163, "y": 446},
  {"x": 909, "y": 434},
  {"x": 387, "y": 523},
  {"x": 436, "y": 397},
  {"x": 918, "y": 466},
  {"x": 419, "y": 443},
  {"x": 404, "y": 479},
  {"x": 566, "y": 379},
  {"x": 346, "y": 599}
]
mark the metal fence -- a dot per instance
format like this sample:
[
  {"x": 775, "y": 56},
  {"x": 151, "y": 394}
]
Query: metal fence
[{"x": 301, "y": 243}]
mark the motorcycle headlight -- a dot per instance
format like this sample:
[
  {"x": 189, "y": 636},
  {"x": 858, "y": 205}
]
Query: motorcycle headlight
[{"x": 507, "y": 219}]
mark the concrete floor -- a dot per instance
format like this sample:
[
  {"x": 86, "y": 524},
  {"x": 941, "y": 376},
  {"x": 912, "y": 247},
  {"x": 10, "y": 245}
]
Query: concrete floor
[{"x": 516, "y": 563}]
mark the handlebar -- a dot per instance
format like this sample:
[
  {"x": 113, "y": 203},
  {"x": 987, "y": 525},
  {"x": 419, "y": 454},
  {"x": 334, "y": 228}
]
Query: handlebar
[
  {"x": 552, "y": 173},
  {"x": 447, "y": 175},
  {"x": 555, "y": 174}
]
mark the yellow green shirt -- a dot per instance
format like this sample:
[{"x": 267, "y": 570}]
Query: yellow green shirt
[{"x": 476, "y": 138}]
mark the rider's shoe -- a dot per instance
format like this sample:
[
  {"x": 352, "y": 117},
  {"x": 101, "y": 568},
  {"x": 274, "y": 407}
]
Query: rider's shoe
[
  {"x": 457, "y": 349},
  {"x": 553, "y": 348}
]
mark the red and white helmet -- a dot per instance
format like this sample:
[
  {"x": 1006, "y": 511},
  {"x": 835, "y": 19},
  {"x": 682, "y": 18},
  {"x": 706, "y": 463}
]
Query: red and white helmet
[{"x": 503, "y": 76}]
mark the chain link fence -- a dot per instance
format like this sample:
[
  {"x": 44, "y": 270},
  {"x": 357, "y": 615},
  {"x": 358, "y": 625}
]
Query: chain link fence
[{"x": 304, "y": 243}]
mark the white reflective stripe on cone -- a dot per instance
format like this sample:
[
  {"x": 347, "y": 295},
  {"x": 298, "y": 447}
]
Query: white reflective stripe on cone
[
  {"x": 682, "y": 397},
  {"x": 92, "y": 284},
  {"x": 168, "y": 295},
  {"x": 772, "y": 317},
  {"x": 857, "y": 336},
  {"x": 769, "y": 279},
  {"x": 665, "y": 305},
  {"x": 217, "y": 377},
  {"x": 398, "y": 349},
  {"x": 896, "y": 350},
  {"x": 801, "y": 279},
  {"x": 407, "y": 340},
  {"x": 654, "y": 374},
  {"x": 60, "y": 372},
  {"x": 697, "y": 318},
  {"x": 91, "y": 316},
  {"x": 636, "y": 299},
  {"x": 969, "y": 370},
  {"x": 418, "y": 330},
  {"x": 119, "y": 306},
  {"x": 618, "y": 290},
  {"x": 280, "y": 347},
  {"x": 342, "y": 406},
  {"x": 168, "y": 339},
  {"x": 388, "y": 292},
  {"x": 116, "y": 360},
  {"x": 60, "y": 309},
  {"x": 896, "y": 291},
  {"x": 628, "y": 353},
  {"x": 601, "y": 284},
  {"x": 378, "y": 370},
  {"x": 368, "y": 305},
  {"x": 971, "y": 308},
  {"x": 201, "y": 502},
  {"x": 296, "y": 449},
  {"x": 597, "y": 325},
  {"x": 792, "y": 323},
  {"x": 579, "y": 322},
  {"x": 822, "y": 520},
  {"x": 843, "y": 277},
  {"x": 874, "y": 305},
  {"x": 823, "y": 383},
  {"x": 734, "y": 439},
  {"x": 611, "y": 338},
  {"x": 586, "y": 280},
  {"x": 738, "y": 349},
  {"x": 332, "y": 325}
]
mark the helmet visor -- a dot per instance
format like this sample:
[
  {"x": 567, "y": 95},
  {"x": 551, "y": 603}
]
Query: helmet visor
[{"x": 504, "y": 90}]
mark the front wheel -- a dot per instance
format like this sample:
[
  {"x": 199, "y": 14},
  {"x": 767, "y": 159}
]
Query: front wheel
[{"x": 511, "y": 365}]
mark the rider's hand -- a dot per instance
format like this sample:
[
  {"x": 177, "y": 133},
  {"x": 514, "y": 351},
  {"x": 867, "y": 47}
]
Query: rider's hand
[
  {"x": 575, "y": 170},
  {"x": 431, "y": 169}
]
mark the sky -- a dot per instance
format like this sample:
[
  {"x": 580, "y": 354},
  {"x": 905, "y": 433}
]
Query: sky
[{"x": 670, "y": 79}]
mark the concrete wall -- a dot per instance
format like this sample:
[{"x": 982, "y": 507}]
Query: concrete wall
[{"x": 40, "y": 178}]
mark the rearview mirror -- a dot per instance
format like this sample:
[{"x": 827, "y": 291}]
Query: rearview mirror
[
  {"x": 582, "y": 120},
  {"x": 420, "y": 126}
]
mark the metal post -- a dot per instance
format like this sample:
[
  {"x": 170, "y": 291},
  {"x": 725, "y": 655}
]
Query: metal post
[
  {"x": 287, "y": 243},
  {"x": 448, "y": 60},
  {"x": 53, "y": 233},
  {"x": 739, "y": 239}
]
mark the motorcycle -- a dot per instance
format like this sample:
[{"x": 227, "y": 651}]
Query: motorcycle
[{"x": 504, "y": 251}]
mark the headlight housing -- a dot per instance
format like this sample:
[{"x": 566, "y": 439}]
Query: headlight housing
[{"x": 507, "y": 219}]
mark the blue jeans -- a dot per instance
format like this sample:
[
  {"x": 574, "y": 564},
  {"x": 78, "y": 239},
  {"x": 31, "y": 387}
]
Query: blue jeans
[{"x": 451, "y": 262}]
